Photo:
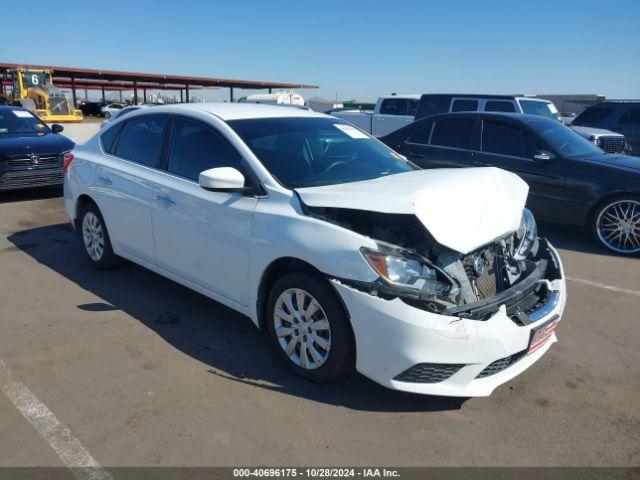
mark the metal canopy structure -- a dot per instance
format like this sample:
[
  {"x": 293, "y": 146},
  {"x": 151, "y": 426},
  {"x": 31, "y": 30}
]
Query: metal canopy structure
[{"x": 90, "y": 79}]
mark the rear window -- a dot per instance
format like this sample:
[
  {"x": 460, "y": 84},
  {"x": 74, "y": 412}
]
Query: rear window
[
  {"x": 453, "y": 132},
  {"x": 464, "y": 106},
  {"x": 499, "y": 106},
  {"x": 591, "y": 116}
]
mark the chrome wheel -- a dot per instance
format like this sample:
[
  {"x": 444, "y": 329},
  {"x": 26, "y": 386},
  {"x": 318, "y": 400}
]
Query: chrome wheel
[
  {"x": 618, "y": 226},
  {"x": 302, "y": 328},
  {"x": 93, "y": 236}
]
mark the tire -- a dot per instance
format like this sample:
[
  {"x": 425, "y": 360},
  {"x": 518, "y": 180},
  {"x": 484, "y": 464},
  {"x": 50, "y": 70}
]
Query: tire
[
  {"x": 107, "y": 114},
  {"x": 333, "y": 362},
  {"x": 95, "y": 239},
  {"x": 616, "y": 224}
]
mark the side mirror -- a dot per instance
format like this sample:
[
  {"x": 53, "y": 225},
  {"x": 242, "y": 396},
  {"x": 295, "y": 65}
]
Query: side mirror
[
  {"x": 223, "y": 179},
  {"x": 543, "y": 156},
  {"x": 57, "y": 128}
]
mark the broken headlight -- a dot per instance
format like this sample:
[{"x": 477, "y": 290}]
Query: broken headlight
[
  {"x": 526, "y": 236},
  {"x": 407, "y": 273}
]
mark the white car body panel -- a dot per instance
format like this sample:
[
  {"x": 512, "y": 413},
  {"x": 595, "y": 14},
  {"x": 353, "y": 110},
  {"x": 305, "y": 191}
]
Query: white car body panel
[
  {"x": 481, "y": 204},
  {"x": 222, "y": 244}
]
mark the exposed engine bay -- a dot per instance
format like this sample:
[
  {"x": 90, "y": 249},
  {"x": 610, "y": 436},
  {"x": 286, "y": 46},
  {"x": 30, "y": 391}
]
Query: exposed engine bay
[{"x": 514, "y": 270}]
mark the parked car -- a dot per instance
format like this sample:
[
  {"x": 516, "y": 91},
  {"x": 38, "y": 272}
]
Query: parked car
[
  {"x": 390, "y": 113},
  {"x": 431, "y": 104},
  {"x": 31, "y": 154},
  {"x": 339, "y": 248},
  {"x": 571, "y": 180},
  {"x": 111, "y": 109},
  {"x": 92, "y": 109},
  {"x": 619, "y": 116}
]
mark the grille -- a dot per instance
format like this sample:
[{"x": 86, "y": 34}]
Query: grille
[
  {"x": 42, "y": 160},
  {"x": 481, "y": 270},
  {"x": 500, "y": 365},
  {"x": 58, "y": 105},
  {"x": 31, "y": 178},
  {"x": 429, "y": 372},
  {"x": 612, "y": 144}
]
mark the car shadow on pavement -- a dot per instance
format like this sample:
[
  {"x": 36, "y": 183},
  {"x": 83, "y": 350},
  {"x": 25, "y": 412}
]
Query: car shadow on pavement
[
  {"x": 11, "y": 196},
  {"x": 577, "y": 239},
  {"x": 226, "y": 341}
]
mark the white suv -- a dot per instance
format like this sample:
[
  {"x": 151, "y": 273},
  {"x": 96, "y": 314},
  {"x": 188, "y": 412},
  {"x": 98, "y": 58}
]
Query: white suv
[{"x": 346, "y": 254}]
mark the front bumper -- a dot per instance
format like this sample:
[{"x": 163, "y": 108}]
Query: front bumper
[{"x": 392, "y": 337}]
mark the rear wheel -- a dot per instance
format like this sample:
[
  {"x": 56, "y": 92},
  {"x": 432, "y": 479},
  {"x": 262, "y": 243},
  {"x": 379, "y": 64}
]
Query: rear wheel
[
  {"x": 616, "y": 225},
  {"x": 95, "y": 238},
  {"x": 309, "y": 328}
]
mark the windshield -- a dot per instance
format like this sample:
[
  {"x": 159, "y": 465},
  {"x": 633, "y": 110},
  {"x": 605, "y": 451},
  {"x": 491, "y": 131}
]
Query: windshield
[
  {"x": 310, "y": 152},
  {"x": 564, "y": 140},
  {"x": 20, "y": 121},
  {"x": 542, "y": 109}
]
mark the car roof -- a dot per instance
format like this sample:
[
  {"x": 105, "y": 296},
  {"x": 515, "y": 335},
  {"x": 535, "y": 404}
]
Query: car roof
[
  {"x": 476, "y": 95},
  {"x": 239, "y": 111},
  {"x": 519, "y": 117},
  {"x": 11, "y": 107}
]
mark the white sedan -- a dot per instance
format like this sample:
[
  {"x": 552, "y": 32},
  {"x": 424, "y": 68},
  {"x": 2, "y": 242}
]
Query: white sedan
[
  {"x": 111, "y": 109},
  {"x": 428, "y": 281}
]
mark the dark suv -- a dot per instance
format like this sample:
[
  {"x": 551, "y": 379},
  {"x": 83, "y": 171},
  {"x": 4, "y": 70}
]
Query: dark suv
[{"x": 621, "y": 116}]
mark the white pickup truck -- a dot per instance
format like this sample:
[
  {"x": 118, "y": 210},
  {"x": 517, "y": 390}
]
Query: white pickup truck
[{"x": 390, "y": 114}]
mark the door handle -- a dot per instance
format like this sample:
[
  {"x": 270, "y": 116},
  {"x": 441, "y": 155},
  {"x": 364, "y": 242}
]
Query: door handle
[
  {"x": 416, "y": 154},
  {"x": 166, "y": 201},
  {"x": 104, "y": 181},
  {"x": 479, "y": 163}
]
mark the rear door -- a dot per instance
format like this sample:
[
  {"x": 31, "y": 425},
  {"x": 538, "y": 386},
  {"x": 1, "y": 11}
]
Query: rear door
[
  {"x": 126, "y": 181},
  {"x": 202, "y": 236},
  {"x": 443, "y": 143},
  {"x": 629, "y": 125},
  {"x": 512, "y": 147},
  {"x": 394, "y": 114}
]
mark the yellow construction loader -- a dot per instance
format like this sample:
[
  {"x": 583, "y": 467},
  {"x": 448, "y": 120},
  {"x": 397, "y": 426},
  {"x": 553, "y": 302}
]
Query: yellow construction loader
[{"x": 35, "y": 91}]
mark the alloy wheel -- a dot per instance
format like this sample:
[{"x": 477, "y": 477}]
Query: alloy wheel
[
  {"x": 93, "y": 236},
  {"x": 302, "y": 328},
  {"x": 618, "y": 226}
]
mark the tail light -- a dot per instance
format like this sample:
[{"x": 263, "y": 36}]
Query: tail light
[{"x": 66, "y": 161}]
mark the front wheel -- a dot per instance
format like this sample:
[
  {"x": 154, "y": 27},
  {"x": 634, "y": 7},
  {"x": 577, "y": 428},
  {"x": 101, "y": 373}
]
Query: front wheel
[
  {"x": 107, "y": 114},
  {"x": 616, "y": 225},
  {"x": 309, "y": 327}
]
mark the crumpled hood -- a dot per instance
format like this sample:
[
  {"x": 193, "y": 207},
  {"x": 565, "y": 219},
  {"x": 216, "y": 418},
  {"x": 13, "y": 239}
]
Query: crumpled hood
[{"x": 463, "y": 209}]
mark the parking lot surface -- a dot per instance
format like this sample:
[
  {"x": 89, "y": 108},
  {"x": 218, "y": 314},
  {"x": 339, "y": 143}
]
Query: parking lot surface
[{"x": 142, "y": 371}]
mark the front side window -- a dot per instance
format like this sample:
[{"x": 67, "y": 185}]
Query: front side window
[
  {"x": 506, "y": 140},
  {"x": 453, "y": 132},
  {"x": 394, "y": 106},
  {"x": 195, "y": 148},
  {"x": 141, "y": 139},
  {"x": 564, "y": 140},
  {"x": 464, "y": 105},
  {"x": 309, "y": 152},
  {"x": 20, "y": 122},
  {"x": 631, "y": 117},
  {"x": 499, "y": 106},
  {"x": 422, "y": 135}
]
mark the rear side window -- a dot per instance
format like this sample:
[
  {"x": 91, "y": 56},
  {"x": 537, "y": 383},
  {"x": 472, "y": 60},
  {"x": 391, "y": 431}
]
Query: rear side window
[
  {"x": 453, "y": 132},
  {"x": 196, "y": 147},
  {"x": 592, "y": 115},
  {"x": 394, "y": 106},
  {"x": 432, "y": 104},
  {"x": 413, "y": 107},
  {"x": 499, "y": 106},
  {"x": 631, "y": 117},
  {"x": 506, "y": 140},
  {"x": 141, "y": 140},
  {"x": 464, "y": 105},
  {"x": 421, "y": 136},
  {"x": 108, "y": 137}
]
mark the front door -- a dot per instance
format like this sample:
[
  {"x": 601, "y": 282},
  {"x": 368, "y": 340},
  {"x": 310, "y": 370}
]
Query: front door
[{"x": 202, "y": 236}]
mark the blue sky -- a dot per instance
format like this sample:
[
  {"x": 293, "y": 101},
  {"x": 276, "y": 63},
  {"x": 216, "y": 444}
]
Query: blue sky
[{"x": 352, "y": 48}]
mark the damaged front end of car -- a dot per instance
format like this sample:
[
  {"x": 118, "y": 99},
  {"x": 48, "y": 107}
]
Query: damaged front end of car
[{"x": 515, "y": 270}]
